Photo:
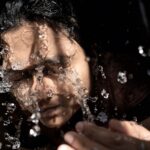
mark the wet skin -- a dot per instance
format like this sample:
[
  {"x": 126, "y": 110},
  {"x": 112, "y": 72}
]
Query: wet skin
[{"x": 47, "y": 70}]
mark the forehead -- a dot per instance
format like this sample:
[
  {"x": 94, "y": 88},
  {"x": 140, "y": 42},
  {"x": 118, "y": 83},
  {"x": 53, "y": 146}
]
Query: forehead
[{"x": 33, "y": 40}]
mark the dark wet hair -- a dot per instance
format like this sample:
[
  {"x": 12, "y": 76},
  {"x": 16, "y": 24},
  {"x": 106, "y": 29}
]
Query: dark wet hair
[{"x": 57, "y": 13}]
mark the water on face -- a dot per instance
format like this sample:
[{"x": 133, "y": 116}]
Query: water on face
[
  {"x": 5, "y": 85},
  {"x": 11, "y": 141},
  {"x": 66, "y": 77},
  {"x": 80, "y": 91}
]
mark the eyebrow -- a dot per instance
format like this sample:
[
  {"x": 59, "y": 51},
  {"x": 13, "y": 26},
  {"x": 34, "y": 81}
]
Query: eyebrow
[{"x": 50, "y": 61}]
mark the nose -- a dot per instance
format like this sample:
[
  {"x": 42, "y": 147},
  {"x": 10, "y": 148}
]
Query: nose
[{"x": 43, "y": 88}]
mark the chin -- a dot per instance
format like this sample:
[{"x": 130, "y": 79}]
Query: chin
[{"x": 55, "y": 122}]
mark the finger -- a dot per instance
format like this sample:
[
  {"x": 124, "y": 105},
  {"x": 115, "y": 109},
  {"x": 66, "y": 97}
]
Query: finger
[
  {"x": 130, "y": 128},
  {"x": 109, "y": 139},
  {"x": 124, "y": 127},
  {"x": 102, "y": 135},
  {"x": 65, "y": 147},
  {"x": 81, "y": 142}
]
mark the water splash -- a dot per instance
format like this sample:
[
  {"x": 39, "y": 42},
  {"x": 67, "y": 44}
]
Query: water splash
[
  {"x": 14, "y": 142},
  {"x": 11, "y": 107},
  {"x": 141, "y": 51},
  {"x": 93, "y": 99},
  {"x": 71, "y": 76},
  {"x": 102, "y": 117},
  {"x": 122, "y": 77},
  {"x": 16, "y": 66},
  {"x": 35, "y": 131},
  {"x": 5, "y": 87},
  {"x": 6, "y": 122},
  {"x": 1, "y": 73},
  {"x": 101, "y": 70},
  {"x": 35, "y": 118},
  {"x": 5, "y": 84},
  {"x": 104, "y": 94}
]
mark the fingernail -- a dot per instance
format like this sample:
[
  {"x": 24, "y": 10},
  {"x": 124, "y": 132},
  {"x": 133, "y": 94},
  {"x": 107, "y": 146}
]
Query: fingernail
[
  {"x": 68, "y": 138},
  {"x": 79, "y": 127}
]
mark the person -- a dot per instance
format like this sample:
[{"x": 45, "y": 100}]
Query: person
[{"x": 50, "y": 78}]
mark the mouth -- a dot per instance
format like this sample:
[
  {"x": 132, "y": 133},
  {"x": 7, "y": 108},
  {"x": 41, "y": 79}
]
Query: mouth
[
  {"x": 51, "y": 111},
  {"x": 43, "y": 110}
]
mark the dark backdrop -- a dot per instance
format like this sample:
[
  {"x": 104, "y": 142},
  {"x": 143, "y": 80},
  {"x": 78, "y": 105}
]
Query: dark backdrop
[{"x": 117, "y": 25}]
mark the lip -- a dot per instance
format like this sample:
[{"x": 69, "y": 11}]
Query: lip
[
  {"x": 51, "y": 111},
  {"x": 51, "y": 107}
]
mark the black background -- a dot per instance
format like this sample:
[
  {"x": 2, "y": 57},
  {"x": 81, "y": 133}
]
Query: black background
[{"x": 116, "y": 25}]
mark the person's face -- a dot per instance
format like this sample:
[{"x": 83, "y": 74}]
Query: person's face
[{"x": 48, "y": 72}]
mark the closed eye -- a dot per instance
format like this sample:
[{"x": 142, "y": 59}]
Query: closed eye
[{"x": 18, "y": 75}]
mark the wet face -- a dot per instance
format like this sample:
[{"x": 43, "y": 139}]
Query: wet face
[{"x": 48, "y": 71}]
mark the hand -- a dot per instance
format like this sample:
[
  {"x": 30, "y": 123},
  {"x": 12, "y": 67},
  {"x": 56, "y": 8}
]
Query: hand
[{"x": 92, "y": 137}]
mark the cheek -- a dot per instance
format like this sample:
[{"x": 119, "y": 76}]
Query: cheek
[
  {"x": 62, "y": 118},
  {"x": 83, "y": 73},
  {"x": 21, "y": 92}
]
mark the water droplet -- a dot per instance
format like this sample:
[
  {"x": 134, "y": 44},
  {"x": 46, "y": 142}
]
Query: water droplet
[
  {"x": 50, "y": 94},
  {"x": 116, "y": 108},
  {"x": 8, "y": 146},
  {"x": 102, "y": 117},
  {"x": 11, "y": 107},
  {"x": 127, "y": 41},
  {"x": 68, "y": 97},
  {"x": 93, "y": 99},
  {"x": 95, "y": 109},
  {"x": 101, "y": 69},
  {"x": 5, "y": 86},
  {"x": 130, "y": 76},
  {"x": 122, "y": 77},
  {"x": 1, "y": 144},
  {"x": 16, "y": 66},
  {"x": 148, "y": 72},
  {"x": 100, "y": 55},
  {"x": 141, "y": 51},
  {"x": 1, "y": 73},
  {"x": 35, "y": 131},
  {"x": 135, "y": 119},
  {"x": 16, "y": 145},
  {"x": 105, "y": 94},
  {"x": 86, "y": 110},
  {"x": 124, "y": 116},
  {"x": 35, "y": 117},
  {"x": 88, "y": 59},
  {"x": 41, "y": 36},
  {"x": 6, "y": 122},
  {"x": 3, "y": 104}
]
